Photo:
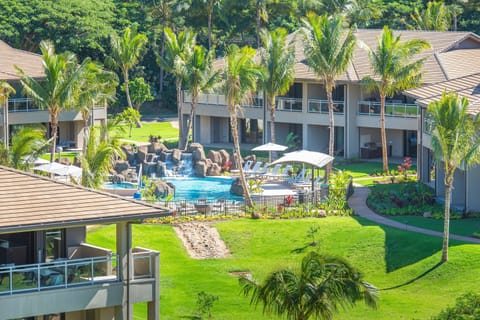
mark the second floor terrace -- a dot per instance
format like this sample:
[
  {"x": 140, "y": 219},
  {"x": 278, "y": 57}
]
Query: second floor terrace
[{"x": 319, "y": 106}]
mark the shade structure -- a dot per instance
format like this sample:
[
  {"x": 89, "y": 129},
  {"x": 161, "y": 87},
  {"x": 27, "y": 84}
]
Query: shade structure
[
  {"x": 270, "y": 147},
  {"x": 39, "y": 161},
  {"x": 313, "y": 158},
  {"x": 60, "y": 169}
]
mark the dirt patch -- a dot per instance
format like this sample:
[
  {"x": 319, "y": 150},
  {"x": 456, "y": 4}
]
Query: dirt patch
[{"x": 201, "y": 240}]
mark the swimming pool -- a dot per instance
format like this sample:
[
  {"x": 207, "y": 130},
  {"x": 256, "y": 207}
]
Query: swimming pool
[{"x": 193, "y": 188}]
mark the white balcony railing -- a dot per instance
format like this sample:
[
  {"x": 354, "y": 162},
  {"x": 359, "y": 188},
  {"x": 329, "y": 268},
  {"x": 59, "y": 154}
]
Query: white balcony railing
[
  {"x": 289, "y": 104},
  {"x": 219, "y": 100},
  {"x": 61, "y": 273},
  {"x": 321, "y": 106},
  {"x": 144, "y": 263},
  {"x": 21, "y": 105},
  {"x": 392, "y": 109}
]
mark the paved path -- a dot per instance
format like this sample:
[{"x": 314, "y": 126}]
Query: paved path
[{"x": 358, "y": 202}]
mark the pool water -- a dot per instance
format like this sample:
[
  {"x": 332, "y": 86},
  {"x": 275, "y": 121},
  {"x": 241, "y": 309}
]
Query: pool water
[
  {"x": 192, "y": 188},
  {"x": 121, "y": 185}
]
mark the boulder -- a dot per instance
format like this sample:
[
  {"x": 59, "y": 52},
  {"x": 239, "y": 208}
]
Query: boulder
[
  {"x": 236, "y": 187},
  {"x": 176, "y": 156},
  {"x": 216, "y": 157},
  {"x": 198, "y": 154},
  {"x": 160, "y": 169},
  {"x": 214, "y": 170},
  {"x": 149, "y": 168},
  {"x": 163, "y": 189},
  {"x": 141, "y": 155},
  {"x": 121, "y": 166},
  {"x": 225, "y": 156},
  {"x": 156, "y": 147},
  {"x": 200, "y": 169}
]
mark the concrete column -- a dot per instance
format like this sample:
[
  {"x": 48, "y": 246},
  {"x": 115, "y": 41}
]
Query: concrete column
[
  {"x": 124, "y": 245},
  {"x": 153, "y": 307},
  {"x": 304, "y": 110}
]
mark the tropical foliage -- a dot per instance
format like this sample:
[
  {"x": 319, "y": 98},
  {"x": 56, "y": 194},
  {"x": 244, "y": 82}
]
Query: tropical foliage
[
  {"x": 395, "y": 68},
  {"x": 455, "y": 145},
  {"x": 57, "y": 92},
  {"x": 467, "y": 306},
  {"x": 328, "y": 49},
  {"x": 317, "y": 290},
  {"x": 27, "y": 145},
  {"x": 240, "y": 77},
  {"x": 277, "y": 60}
]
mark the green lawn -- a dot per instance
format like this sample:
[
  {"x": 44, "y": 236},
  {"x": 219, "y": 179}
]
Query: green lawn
[
  {"x": 163, "y": 129},
  {"x": 402, "y": 261},
  {"x": 463, "y": 227}
]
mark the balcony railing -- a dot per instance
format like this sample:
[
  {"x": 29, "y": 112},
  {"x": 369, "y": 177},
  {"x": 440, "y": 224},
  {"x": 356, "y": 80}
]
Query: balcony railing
[
  {"x": 289, "y": 104},
  {"x": 144, "y": 264},
  {"x": 61, "y": 273},
  {"x": 372, "y": 108},
  {"x": 219, "y": 100},
  {"x": 321, "y": 106},
  {"x": 21, "y": 105}
]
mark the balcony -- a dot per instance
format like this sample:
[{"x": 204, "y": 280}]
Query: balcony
[
  {"x": 219, "y": 100},
  {"x": 21, "y": 105},
  {"x": 428, "y": 125},
  {"x": 321, "y": 106},
  {"x": 60, "y": 273},
  {"x": 289, "y": 104},
  {"x": 392, "y": 109}
]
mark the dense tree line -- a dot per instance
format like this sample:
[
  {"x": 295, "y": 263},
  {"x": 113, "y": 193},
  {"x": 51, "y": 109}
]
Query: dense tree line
[{"x": 84, "y": 26}]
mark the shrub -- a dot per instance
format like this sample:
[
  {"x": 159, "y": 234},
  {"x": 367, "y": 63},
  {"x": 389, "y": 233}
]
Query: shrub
[{"x": 467, "y": 306}]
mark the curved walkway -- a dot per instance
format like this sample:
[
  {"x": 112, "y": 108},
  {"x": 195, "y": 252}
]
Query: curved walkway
[{"x": 358, "y": 202}]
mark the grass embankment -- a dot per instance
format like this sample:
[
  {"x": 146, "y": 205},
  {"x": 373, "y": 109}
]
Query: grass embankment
[
  {"x": 163, "y": 129},
  {"x": 403, "y": 261}
]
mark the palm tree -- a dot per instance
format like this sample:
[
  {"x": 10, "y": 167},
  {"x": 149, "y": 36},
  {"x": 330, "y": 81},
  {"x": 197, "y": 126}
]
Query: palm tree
[
  {"x": 437, "y": 16},
  {"x": 317, "y": 290},
  {"x": 98, "y": 159},
  {"x": 5, "y": 90},
  {"x": 455, "y": 140},
  {"x": 98, "y": 86},
  {"x": 27, "y": 145},
  {"x": 199, "y": 77},
  {"x": 278, "y": 60},
  {"x": 58, "y": 90},
  {"x": 395, "y": 69},
  {"x": 211, "y": 4},
  {"x": 177, "y": 52},
  {"x": 126, "y": 52},
  {"x": 328, "y": 49},
  {"x": 239, "y": 81}
]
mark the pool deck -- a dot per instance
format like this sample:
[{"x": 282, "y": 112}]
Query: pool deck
[{"x": 273, "y": 188}]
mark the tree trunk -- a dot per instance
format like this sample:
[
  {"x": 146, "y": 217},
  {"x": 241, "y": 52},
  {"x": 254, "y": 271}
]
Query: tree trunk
[
  {"x": 210, "y": 13},
  {"x": 331, "y": 142},
  {"x": 162, "y": 54},
  {"x": 272, "y": 119},
  {"x": 233, "y": 123},
  {"x": 54, "y": 128},
  {"x": 179, "y": 110},
  {"x": 127, "y": 89},
  {"x": 383, "y": 133},
  {"x": 258, "y": 24},
  {"x": 5, "y": 124},
  {"x": 85, "y": 136},
  {"x": 190, "y": 122},
  {"x": 446, "y": 221}
]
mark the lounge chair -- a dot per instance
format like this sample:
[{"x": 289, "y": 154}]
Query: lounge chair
[
  {"x": 255, "y": 168},
  {"x": 274, "y": 173}
]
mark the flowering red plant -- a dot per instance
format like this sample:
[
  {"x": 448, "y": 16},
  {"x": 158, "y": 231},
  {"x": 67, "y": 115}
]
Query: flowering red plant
[{"x": 288, "y": 200}]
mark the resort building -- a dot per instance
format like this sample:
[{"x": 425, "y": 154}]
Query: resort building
[
  {"x": 303, "y": 111},
  {"x": 466, "y": 180},
  {"x": 48, "y": 271},
  {"x": 22, "y": 111}
]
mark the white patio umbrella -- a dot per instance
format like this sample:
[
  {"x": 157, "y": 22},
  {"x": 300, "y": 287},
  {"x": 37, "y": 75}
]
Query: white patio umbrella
[
  {"x": 60, "y": 169},
  {"x": 313, "y": 158},
  {"x": 270, "y": 147}
]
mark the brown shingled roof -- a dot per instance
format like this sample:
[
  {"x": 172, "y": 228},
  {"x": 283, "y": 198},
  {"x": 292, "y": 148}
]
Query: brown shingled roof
[
  {"x": 29, "y": 62},
  {"x": 452, "y": 55},
  {"x": 468, "y": 86},
  {"x": 28, "y": 202}
]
